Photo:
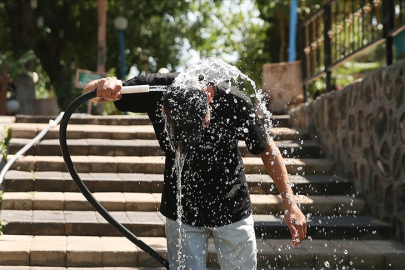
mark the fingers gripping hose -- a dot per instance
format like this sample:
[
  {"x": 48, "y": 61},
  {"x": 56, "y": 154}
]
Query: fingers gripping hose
[{"x": 82, "y": 187}]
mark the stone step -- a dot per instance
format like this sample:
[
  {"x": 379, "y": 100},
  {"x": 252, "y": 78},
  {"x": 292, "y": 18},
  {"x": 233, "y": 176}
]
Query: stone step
[
  {"x": 334, "y": 205},
  {"x": 9, "y": 267},
  {"x": 116, "y": 132},
  {"x": 140, "y": 147},
  {"x": 155, "y": 164},
  {"x": 95, "y": 251},
  {"x": 137, "y": 268},
  {"x": 151, "y": 224},
  {"x": 51, "y": 181},
  {"x": 127, "y": 120}
]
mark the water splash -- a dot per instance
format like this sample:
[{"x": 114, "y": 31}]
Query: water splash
[
  {"x": 179, "y": 164},
  {"x": 210, "y": 70},
  {"x": 216, "y": 71}
]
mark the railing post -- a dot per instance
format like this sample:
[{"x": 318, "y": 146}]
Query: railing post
[
  {"x": 388, "y": 23},
  {"x": 327, "y": 19},
  {"x": 303, "y": 57}
]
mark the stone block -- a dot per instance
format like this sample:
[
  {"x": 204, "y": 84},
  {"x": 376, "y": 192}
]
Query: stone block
[
  {"x": 119, "y": 252},
  {"x": 157, "y": 182},
  {"x": 135, "y": 182},
  {"x": 103, "y": 164},
  {"x": 159, "y": 245},
  {"x": 101, "y": 147},
  {"x": 266, "y": 254},
  {"x": 84, "y": 251},
  {"x": 48, "y": 201},
  {"x": 112, "y": 201},
  {"x": 18, "y": 222},
  {"x": 393, "y": 251},
  {"x": 81, "y": 223},
  {"x": 361, "y": 255},
  {"x": 17, "y": 201},
  {"x": 146, "y": 224},
  {"x": 47, "y": 163},
  {"x": 105, "y": 228},
  {"x": 18, "y": 181},
  {"x": 14, "y": 249},
  {"x": 48, "y": 223},
  {"x": 327, "y": 254},
  {"x": 266, "y": 204},
  {"x": 48, "y": 251},
  {"x": 23, "y": 163},
  {"x": 77, "y": 147},
  {"x": 49, "y": 148},
  {"x": 50, "y": 185},
  {"x": 292, "y": 257},
  {"x": 76, "y": 201},
  {"x": 140, "y": 202},
  {"x": 106, "y": 182},
  {"x": 98, "y": 132},
  {"x": 81, "y": 163}
]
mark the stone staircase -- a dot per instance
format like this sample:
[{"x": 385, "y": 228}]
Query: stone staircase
[{"x": 52, "y": 226}]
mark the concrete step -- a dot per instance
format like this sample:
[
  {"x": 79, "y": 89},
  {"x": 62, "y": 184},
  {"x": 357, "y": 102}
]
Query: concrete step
[
  {"x": 9, "y": 267},
  {"x": 121, "y": 132},
  {"x": 86, "y": 119},
  {"x": 140, "y": 147},
  {"x": 51, "y": 181},
  {"x": 134, "y": 268},
  {"x": 151, "y": 224},
  {"x": 334, "y": 205},
  {"x": 95, "y": 251},
  {"x": 155, "y": 164},
  {"x": 127, "y": 120}
]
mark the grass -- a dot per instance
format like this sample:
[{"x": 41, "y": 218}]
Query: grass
[
  {"x": 2, "y": 222},
  {"x": 4, "y": 142},
  {"x": 4, "y": 153}
]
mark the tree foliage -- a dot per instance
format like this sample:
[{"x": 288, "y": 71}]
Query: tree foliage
[
  {"x": 68, "y": 37},
  {"x": 163, "y": 30}
]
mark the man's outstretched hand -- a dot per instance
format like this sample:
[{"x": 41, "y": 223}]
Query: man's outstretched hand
[
  {"x": 297, "y": 224},
  {"x": 108, "y": 89}
]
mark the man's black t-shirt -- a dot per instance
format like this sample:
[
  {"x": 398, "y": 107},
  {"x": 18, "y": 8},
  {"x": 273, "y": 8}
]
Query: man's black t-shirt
[{"x": 214, "y": 187}]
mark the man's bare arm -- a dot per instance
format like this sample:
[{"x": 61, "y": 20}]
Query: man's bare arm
[{"x": 274, "y": 163}]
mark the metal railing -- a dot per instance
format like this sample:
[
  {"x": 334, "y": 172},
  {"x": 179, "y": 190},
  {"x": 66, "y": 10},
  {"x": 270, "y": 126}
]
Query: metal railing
[
  {"x": 343, "y": 29},
  {"x": 52, "y": 123}
]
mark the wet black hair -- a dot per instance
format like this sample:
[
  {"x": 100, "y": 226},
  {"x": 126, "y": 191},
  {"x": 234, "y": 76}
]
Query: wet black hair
[{"x": 185, "y": 109}]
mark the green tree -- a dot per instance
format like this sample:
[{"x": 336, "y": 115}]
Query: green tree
[{"x": 68, "y": 36}]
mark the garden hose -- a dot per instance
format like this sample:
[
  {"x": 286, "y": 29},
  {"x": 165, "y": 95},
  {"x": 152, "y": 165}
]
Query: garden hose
[{"x": 82, "y": 187}]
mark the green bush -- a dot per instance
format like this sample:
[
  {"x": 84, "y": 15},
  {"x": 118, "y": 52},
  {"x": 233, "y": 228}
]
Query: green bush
[
  {"x": 2, "y": 222},
  {"x": 341, "y": 77},
  {"x": 4, "y": 142}
]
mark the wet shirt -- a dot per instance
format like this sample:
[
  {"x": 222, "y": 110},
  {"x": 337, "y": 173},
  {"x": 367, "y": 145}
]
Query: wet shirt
[{"x": 214, "y": 186}]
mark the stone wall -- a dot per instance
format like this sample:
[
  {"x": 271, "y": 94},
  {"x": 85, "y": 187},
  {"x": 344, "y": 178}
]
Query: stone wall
[{"x": 362, "y": 128}]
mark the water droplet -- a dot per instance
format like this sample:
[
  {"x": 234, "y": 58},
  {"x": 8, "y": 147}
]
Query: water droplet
[
  {"x": 345, "y": 251},
  {"x": 326, "y": 263},
  {"x": 299, "y": 168}
]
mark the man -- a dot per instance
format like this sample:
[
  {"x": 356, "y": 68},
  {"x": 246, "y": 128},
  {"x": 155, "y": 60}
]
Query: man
[{"x": 199, "y": 127}]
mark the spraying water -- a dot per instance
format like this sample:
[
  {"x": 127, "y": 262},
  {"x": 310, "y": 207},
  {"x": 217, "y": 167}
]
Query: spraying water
[
  {"x": 197, "y": 76},
  {"x": 217, "y": 71}
]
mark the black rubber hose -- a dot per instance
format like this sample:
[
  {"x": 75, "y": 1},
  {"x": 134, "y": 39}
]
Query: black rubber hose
[{"x": 82, "y": 187}]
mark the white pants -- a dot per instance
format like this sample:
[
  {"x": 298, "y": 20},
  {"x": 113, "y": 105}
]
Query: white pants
[{"x": 235, "y": 244}]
